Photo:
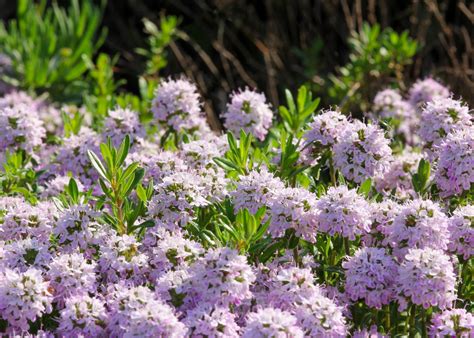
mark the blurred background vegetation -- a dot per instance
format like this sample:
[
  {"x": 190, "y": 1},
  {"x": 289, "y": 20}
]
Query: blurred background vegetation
[{"x": 344, "y": 50}]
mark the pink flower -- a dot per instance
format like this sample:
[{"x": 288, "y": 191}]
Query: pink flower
[
  {"x": 83, "y": 316},
  {"x": 177, "y": 105},
  {"x": 426, "y": 277},
  {"x": 452, "y": 323},
  {"x": 248, "y": 111},
  {"x": 455, "y": 170},
  {"x": 23, "y": 297},
  {"x": 419, "y": 224},
  {"x": 462, "y": 232},
  {"x": 269, "y": 322},
  {"x": 370, "y": 275},
  {"x": 363, "y": 152},
  {"x": 342, "y": 211}
]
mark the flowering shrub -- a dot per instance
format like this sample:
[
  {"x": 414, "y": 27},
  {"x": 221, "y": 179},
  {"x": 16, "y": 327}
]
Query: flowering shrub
[{"x": 300, "y": 224}]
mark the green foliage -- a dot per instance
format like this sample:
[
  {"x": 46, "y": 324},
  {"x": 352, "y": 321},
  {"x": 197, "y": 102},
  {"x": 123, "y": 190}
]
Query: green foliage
[
  {"x": 218, "y": 226},
  {"x": 47, "y": 45},
  {"x": 241, "y": 157},
  {"x": 100, "y": 97},
  {"x": 240, "y": 232},
  {"x": 158, "y": 40},
  {"x": 421, "y": 177},
  {"x": 288, "y": 167},
  {"x": 365, "y": 188},
  {"x": 296, "y": 115},
  {"x": 71, "y": 196},
  {"x": 17, "y": 177},
  {"x": 377, "y": 59},
  {"x": 118, "y": 182},
  {"x": 72, "y": 125}
]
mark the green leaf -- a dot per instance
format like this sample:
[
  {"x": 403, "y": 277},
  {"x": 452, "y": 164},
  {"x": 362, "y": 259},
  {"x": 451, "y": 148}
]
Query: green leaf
[
  {"x": 97, "y": 164},
  {"x": 365, "y": 187},
  {"x": 123, "y": 150},
  {"x": 141, "y": 193},
  {"x": 421, "y": 177},
  {"x": 73, "y": 190}
]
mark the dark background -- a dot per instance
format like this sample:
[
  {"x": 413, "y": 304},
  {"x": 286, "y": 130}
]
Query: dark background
[{"x": 276, "y": 44}]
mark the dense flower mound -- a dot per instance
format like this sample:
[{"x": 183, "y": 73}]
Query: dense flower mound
[
  {"x": 426, "y": 277},
  {"x": 313, "y": 224},
  {"x": 70, "y": 274},
  {"x": 83, "y": 315},
  {"x": 24, "y": 297},
  {"x": 383, "y": 215},
  {"x": 269, "y": 322},
  {"x": 320, "y": 316},
  {"x": 250, "y": 112},
  {"x": 419, "y": 224},
  {"x": 221, "y": 277},
  {"x": 212, "y": 321},
  {"x": 72, "y": 156},
  {"x": 342, "y": 211},
  {"x": 20, "y": 128},
  {"x": 453, "y": 323},
  {"x": 323, "y": 132},
  {"x": 455, "y": 171},
  {"x": 21, "y": 220},
  {"x": 176, "y": 196},
  {"x": 425, "y": 91},
  {"x": 177, "y": 105},
  {"x": 121, "y": 122},
  {"x": 390, "y": 108},
  {"x": 398, "y": 176},
  {"x": 439, "y": 118},
  {"x": 76, "y": 228},
  {"x": 294, "y": 208},
  {"x": 255, "y": 190},
  {"x": 461, "y": 229},
  {"x": 371, "y": 275},
  {"x": 137, "y": 312},
  {"x": 121, "y": 261},
  {"x": 362, "y": 152}
]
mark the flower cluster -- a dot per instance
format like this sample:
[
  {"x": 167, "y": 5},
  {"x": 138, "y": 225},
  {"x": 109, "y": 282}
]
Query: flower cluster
[
  {"x": 346, "y": 233},
  {"x": 323, "y": 132},
  {"x": 439, "y": 118},
  {"x": 121, "y": 122},
  {"x": 370, "y": 276},
  {"x": 72, "y": 156},
  {"x": 255, "y": 190},
  {"x": 426, "y": 277},
  {"x": 24, "y": 297},
  {"x": 461, "y": 230},
  {"x": 20, "y": 128},
  {"x": 398, "y": 176},
  {"x": 419, "y": 224},
  {"x": 248, "y": 111},
  {"x": 137, "y": 312},
  {"x": 294, "y": 208},
  {"x": 70, "y": 274},
  {"x": 83, "y": 315},
  {"x": 342, "y": 211},
  {"x": 362, "y": 152},
  {"x": 224, "y": 274},
  {"x": 426, "y": 90},
  {"x": 455, "y": 171},
  {"x": 177, "y": 105},
  {"x": 269, "y": 322},
  {"x": 453, "y": 323}
]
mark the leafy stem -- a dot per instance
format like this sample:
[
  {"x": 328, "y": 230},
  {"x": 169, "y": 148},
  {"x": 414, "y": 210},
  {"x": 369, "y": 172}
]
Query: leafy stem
[{"x": 118, "y": 182}]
